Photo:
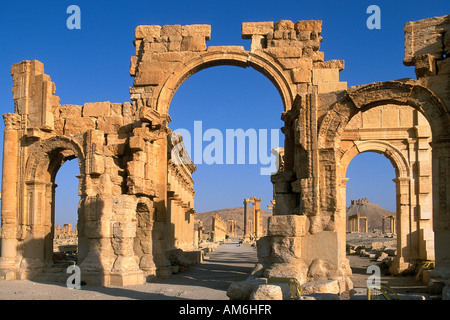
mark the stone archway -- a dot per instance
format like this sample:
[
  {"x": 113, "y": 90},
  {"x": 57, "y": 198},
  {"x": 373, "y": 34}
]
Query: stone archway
[
  {"x": 414, "y": 95},
  {"x": 125, "y": 148},
  {"x": 415, "y": 239},
  {"x": 232, "y": 56},
  {"x": 36, "y": 198}
]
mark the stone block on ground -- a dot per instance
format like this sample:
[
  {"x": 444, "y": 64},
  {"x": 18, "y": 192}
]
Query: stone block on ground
[
  {"x": 270, "y": 292},
  {"x": 241, "y": 290},
  {"x": 321, "y": 286}
]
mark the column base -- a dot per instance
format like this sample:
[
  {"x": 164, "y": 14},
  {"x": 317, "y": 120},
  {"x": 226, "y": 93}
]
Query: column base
[
  {"x": 398, "y": 266},
  {"x": 126, "y": 279},
  {"x": 164, "y": 272}
]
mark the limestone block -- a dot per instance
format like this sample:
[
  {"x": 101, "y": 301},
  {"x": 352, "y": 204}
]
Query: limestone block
[
  {"x": 110, "y": 124},
  {"x": 287, "y": 270},
  {"x": 285, "y": 52},
  {"x": 323, "y": 245},
  {"x": 316, "y": 56},
  {"x": 286, "y": 249},
  {"x": 268, "y": 292},
  {"x": 201, "y": 30},
  {"x": 174, "y": 45},
  {"x": 151, "y": 47},
  {"x": 136, "y": 168},
  {"x": 95, "y": 164},
  {"x": 304, "y": 35},
  {"x": 292, "y": 63},
  {"x": 171, "y": 30},
  {"x": 325, "y": 75},
  {"x": 331, "y": 64},
  {"x": 150, "y": 73},
  {"x": 96, "y": 109},
  {"x": 70, "y": 111},
  {"x": 287, "y": 225},
  {"x": 137, "y": 144},
  {"x": 94, "y": 141},
  {"x": 301, "y": 75},
  {"x": 127, "y": 109},
  {"x": 326, "y": 87},
  {"x": 116, "y": 109},
  {"x": 249, "y": 29},
  {"x": 122, "y": 246},
  {"x": 226, "y": 49},
  {"x": 322, "y": 286},
  {"x": 263, "y": 246},
  {"x": 193, "y": 43},
  {"x": 321, "y": 269},
  {"x": 242, "y": 290},
  {"x": 79, "y": 125},
  {"x": 283, "y": 25},
  {"x": 425, "y": 65},
  {"x": 147, "y": 32},
  {"x": 425, "y": 185},
  {"x": 309, "y": 25},
  {"x": 425, "y": 36},
  {"x": 59, "y": 126},
  {"x": 124, "y": 229},
  {"x": 196, "y": 256}
]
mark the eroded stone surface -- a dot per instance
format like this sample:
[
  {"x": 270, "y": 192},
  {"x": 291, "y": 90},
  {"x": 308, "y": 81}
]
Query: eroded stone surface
[{"x": 134, "y": 187}]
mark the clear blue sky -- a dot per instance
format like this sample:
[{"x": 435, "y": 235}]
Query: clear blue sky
[{"x": 91, "y": 64}]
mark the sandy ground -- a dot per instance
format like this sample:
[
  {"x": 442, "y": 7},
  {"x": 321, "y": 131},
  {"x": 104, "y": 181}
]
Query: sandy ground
[{"x": 207, "y": 281}]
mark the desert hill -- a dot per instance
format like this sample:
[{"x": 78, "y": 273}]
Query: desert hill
[
  {"x": 372, "y": 211},
  {"x": 363, "y": 207},
  {"x": 232, "y": 213}
]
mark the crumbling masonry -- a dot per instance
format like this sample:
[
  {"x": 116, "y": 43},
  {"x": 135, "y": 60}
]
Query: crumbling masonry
[{"x": 128, "y": 184}]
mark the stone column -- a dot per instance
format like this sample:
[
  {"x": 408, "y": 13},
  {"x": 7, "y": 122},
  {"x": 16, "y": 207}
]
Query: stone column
[
  {"x": 404, "y": 240},
  {"x": 365, "y": 224},
  {"x": 246, "y": 218},
  {"x": 392, "y": 224},
  {"x": 257, "y": 218},
  {"x": 9, "y": 194},
  {"x": 441, "y": 210}
]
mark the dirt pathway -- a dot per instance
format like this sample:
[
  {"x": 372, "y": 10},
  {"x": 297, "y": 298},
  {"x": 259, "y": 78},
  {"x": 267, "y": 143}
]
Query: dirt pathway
[{"x": 207, "y": 281}]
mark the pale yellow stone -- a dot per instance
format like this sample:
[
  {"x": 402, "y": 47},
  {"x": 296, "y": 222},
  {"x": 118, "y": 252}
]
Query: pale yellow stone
[{"x": 96, "y": 109}]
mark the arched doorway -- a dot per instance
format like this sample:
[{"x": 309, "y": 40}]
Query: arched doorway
[
  {"x": 65, "y": 213},
  {"x": 234, "y": 115},
  {"x": 396, "y": 95},
  {"x": 42, "y": 167}
]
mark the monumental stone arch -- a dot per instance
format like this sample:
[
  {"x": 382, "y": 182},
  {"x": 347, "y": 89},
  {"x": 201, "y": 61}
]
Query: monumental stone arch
[
  {"x": 40, "y": 173},
  {"x": 415, "y": 165},
  {"x": 137, "y": 197}
]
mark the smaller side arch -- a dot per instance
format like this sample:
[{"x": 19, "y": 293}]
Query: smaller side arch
[
  {"x": 361, "y": 98},
  {"x": 40, "y": 156},
  {"x": 398, "y": 160}
]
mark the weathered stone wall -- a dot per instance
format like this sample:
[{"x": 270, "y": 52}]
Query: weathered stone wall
[{"x": 118, "y": 155}]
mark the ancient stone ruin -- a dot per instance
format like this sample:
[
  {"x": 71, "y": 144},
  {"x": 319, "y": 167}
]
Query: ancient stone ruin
[{"x": 137, "y": 198}]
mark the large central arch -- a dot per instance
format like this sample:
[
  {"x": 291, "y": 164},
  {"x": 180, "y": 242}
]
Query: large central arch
[{"x": 232, "y": 56}]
